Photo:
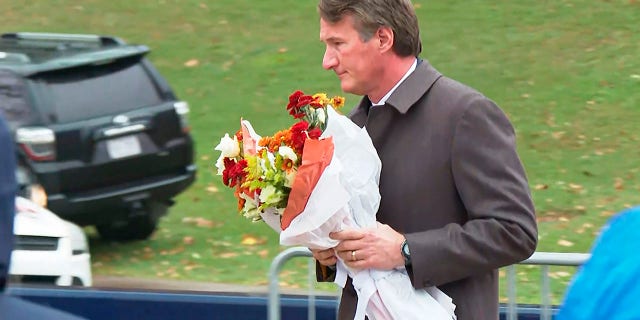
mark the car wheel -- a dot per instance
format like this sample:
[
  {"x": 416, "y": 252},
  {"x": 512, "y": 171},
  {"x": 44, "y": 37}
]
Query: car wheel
[{"x": 139, "y": 226}]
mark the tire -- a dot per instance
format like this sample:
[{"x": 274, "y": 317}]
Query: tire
[{"x": 139, "y": 226}]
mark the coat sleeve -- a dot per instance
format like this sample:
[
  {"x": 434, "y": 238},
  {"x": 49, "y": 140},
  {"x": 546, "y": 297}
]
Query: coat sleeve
[
  {"x": 490, "y": 180},
  {"x": 324, "y": 273},
  {"x": 8, "y": 190}
]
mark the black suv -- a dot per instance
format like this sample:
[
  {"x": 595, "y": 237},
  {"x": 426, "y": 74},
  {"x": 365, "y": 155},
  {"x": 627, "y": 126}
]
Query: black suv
[{"x": 102, "y": 139}]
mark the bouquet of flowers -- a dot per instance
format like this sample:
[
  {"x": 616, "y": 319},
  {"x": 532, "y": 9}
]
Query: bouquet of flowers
[
  {"x": 321, "y": 175},
  {"x": 263, "y": 170}
]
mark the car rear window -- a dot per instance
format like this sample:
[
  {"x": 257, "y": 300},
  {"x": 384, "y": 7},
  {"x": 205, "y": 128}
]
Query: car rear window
[
  {"x": 13, "y": 99},
  {"x": 93, "y": 91}
]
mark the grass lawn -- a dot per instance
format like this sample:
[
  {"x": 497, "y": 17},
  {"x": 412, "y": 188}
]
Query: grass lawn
[{"x": 566, "y": 72}]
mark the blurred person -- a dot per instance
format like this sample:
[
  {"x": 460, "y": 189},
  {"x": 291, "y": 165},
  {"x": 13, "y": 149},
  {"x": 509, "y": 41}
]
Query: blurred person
[
  {"x": 455, "y": 201},
  {"x": 605, "y": 287},
  {"x": 13, "y": 308}
]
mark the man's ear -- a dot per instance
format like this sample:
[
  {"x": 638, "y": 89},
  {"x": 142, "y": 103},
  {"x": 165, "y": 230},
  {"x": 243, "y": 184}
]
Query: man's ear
[{"x": 385, "y": 36}]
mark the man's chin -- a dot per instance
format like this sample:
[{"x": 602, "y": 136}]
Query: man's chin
[{"x": 349, "y": 88}]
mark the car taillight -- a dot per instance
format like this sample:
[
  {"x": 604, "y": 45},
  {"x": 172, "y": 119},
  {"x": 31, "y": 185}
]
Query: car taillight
[
  {"x": 182, "y": 109},
  {"x": 38, "y": 143}
]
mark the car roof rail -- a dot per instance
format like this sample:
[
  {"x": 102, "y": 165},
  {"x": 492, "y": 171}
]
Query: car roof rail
[
  {"x": 14, "y": 57},
  {"x": 102, "y": 41}
]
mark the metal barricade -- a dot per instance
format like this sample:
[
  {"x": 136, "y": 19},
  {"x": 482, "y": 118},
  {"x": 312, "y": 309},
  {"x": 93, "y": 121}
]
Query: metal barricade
[
  {"x": 543, "y": 259},
  {"x": 274, "y": 283}
]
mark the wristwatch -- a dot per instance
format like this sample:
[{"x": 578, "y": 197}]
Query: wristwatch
[{"x": 405, "y": 253}]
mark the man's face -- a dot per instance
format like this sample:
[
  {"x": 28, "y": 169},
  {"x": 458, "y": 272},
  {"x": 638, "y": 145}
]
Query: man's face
[{"x": 354, "y": 61}]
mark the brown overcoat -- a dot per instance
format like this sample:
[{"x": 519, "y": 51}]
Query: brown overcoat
[{"x": 453, "y": 184}]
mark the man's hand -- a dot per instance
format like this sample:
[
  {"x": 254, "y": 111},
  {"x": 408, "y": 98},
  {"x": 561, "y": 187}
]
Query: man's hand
[
  {"x": 377, "y": 247},
  {"x": 326, "y": 257}
]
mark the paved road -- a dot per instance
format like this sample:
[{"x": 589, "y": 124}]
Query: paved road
[{"x": 113, "y": 282}]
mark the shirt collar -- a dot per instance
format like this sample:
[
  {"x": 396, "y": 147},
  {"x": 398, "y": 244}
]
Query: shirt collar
[{"x": 386, "y": 96}]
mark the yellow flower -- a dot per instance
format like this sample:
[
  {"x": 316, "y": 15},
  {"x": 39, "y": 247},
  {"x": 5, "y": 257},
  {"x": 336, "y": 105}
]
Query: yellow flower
[
  {"x": 321, "y": 98},
  {"x": 337, "y": 102}
]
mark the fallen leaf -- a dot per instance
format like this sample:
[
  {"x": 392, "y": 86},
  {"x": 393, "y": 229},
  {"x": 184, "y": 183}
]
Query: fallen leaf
[
  {"x": 584, "y": 227},
  {"x": 199, "y": 222},
  {"x": 575, "y": 186},
  {"x": 282, "y": 50},
  {"x": 187, "y": 240},
  {"x": 190, "y": 267},
  {"x": 565, "y": 243},
  {"x": 587, "y": 173},
  {"x": 249, "y": 240},
  {"x": 205, "y": 158},
  {"x": 172, "y": 251},
  {"x": 619, "y": 184},
  {"x": 263, "y": 253},
  {"x": 228, "y": 255},
  {"x": 212, "y": 189},
  {"x": 541, "y": 187},
  {"x": 191, "y": 63},
  {"x": 607, "y": 213}
]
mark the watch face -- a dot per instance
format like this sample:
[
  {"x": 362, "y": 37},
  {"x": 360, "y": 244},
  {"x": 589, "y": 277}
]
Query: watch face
[
  {"x": 405, "y": 254},
  {"x": 405, "y": 249}
]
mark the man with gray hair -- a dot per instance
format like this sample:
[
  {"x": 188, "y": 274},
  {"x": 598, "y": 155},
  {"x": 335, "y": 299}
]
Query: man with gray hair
[{"x": 455, "y": 201}]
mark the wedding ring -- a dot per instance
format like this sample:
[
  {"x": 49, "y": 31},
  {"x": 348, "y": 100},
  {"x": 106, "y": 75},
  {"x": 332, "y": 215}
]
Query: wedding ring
[{"x": 353, "y": 255}]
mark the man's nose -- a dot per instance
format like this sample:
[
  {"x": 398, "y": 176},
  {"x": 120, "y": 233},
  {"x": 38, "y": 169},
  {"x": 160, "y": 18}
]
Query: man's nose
[{"x": 329, "y": 60}]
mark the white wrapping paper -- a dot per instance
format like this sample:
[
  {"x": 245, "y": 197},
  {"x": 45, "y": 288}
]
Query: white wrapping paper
[{"x": 347, "y": 196}]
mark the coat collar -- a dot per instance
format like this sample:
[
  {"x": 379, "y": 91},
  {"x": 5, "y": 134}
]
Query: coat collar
[{"x": 406, "y": 95}]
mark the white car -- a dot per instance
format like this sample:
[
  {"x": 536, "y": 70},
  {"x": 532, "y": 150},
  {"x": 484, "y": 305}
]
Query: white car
[{"x": 47, "y": 248}]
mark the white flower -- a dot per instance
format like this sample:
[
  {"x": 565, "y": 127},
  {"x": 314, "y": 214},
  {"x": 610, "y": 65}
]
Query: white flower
[
  {"x": 321, "y": 115},
  {"x": 291, "y": 175},
  {"x": 220, "y": 165},
  {"x": 288, "y": 153},
  {"x": 250, "y": 210},
  {"x": 229, "y": 148},
  {"x": 269, "y": 194}
]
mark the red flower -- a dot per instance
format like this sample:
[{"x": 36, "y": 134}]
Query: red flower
[
  {"x": 297, "y": 100},
  {"x": 233, "y": 172},
  {"x": 304, "y": 100},
  {"x": 315, "y": 133},
  {"x": 299, "y": 135},
  {"x": 293, "y": 99}
]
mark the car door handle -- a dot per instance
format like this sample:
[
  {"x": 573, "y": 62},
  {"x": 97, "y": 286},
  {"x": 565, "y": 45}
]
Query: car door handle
[{"x": 114, "y": 132}]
